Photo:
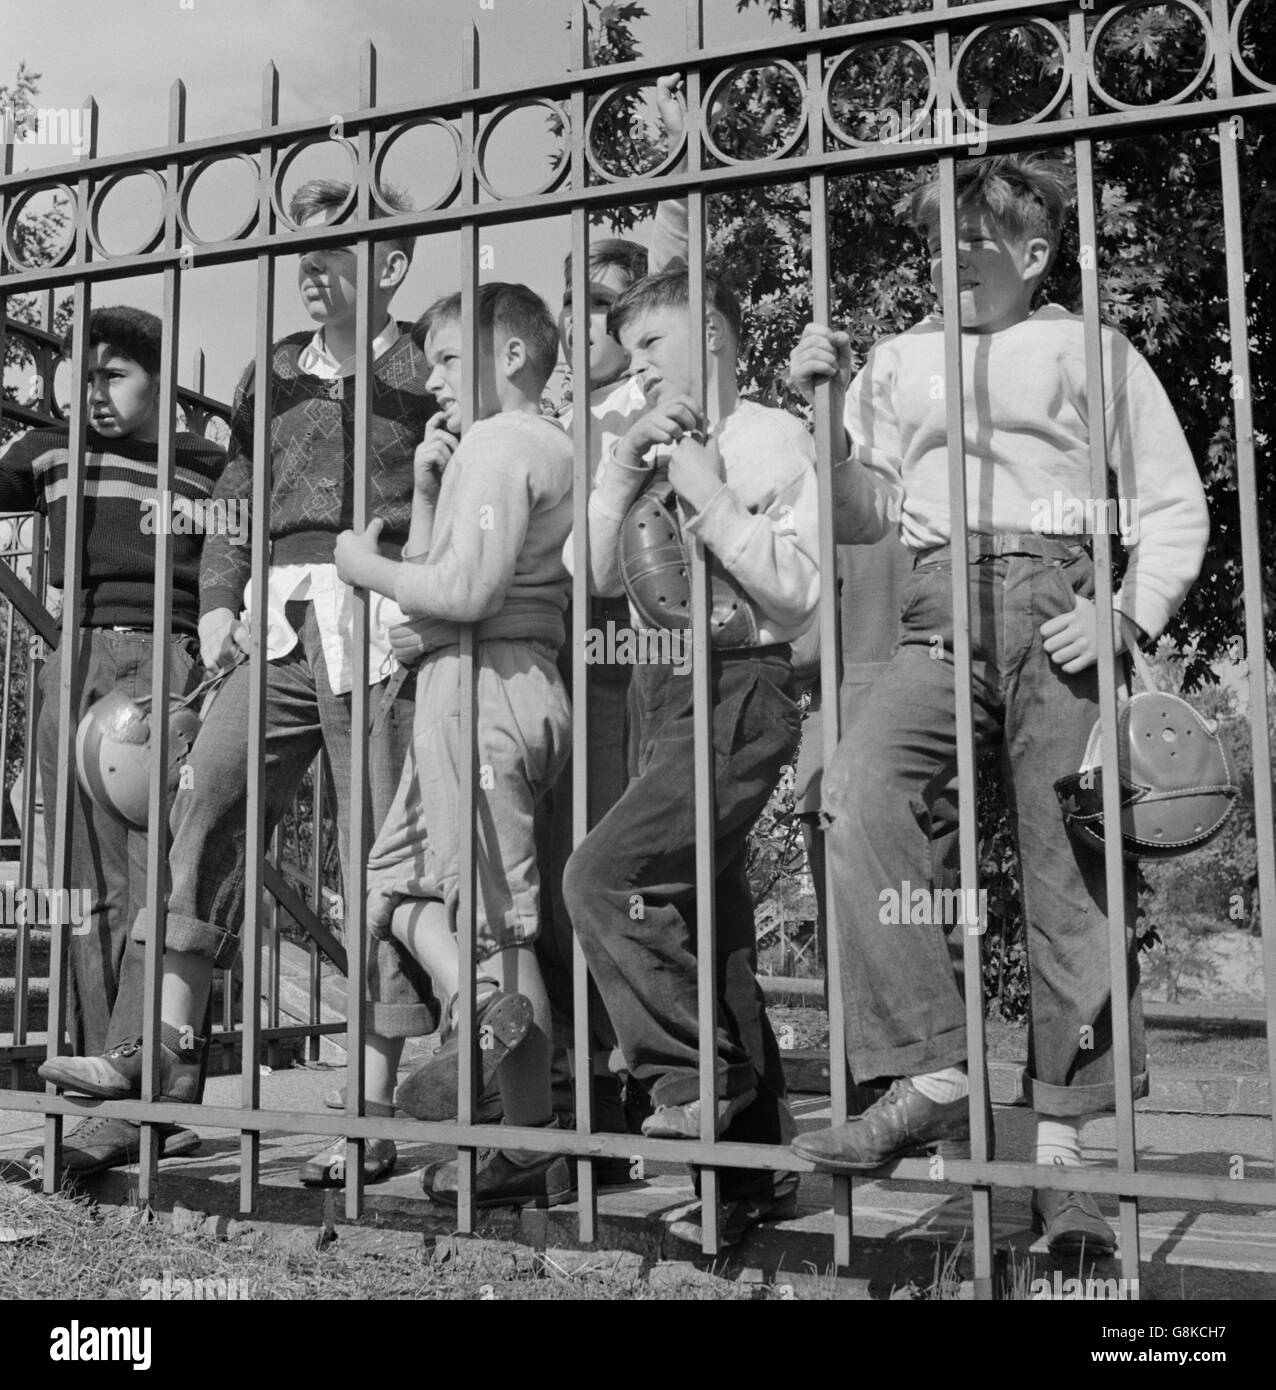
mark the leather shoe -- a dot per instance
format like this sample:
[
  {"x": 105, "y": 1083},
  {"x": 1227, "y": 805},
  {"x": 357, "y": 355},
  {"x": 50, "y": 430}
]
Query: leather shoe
[
  {"x": 903, "y": 1122},
  {"x": 1072, "y": 1223},
  {"x": 117, "y": 1075},
  {"x": 431, "y": 1092},
  {"x": 548, "y": 1181},
  {"x": 97, "y": 1143},
  {"x": 488, "y": 1111},
  {"x": 328, "y": 1167},
  {"x": 737, "y": 1217},
  {"x": 683, "y": 1121}
]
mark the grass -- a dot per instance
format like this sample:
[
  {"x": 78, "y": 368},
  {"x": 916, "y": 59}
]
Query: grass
[
  {"x": 63, "y": 1247},
  {"x": 1204, "y": 1046}
]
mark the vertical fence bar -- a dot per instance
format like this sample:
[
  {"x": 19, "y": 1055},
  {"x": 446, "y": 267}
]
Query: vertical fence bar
[
  {"x": 161, "y": 656},
  {"x": 255, "y": 810},
  {"x": 582, "y": 422},
  {"x": 954, "y": 400},
  {"x": 1087, "y": 231},
  {"x": 701, "y": 672},
  {"x": 356, "y": 888},
  {"x": 828, "y": 428},
  {"x": 314, "y": 1048},
  {"x": 467, "y": 921},
  {"x": 1231, "y": 132},
  {"x": 69, "y": 684}
]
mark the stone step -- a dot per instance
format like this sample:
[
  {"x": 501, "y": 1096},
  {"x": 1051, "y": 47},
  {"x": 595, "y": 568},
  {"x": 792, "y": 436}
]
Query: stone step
[{"x": 39, "y": 947}]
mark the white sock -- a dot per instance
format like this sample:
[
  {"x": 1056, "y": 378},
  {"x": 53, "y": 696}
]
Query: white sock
[
  {"x": 943, "y": 1087},
  {"x": 1059, "y": 1140}
]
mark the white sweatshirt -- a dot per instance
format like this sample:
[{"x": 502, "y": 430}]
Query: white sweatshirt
[{"x": 1027, "y": 451}]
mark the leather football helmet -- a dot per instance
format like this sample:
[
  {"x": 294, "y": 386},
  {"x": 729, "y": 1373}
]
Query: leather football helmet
[{"x": 1178, "y": 781}]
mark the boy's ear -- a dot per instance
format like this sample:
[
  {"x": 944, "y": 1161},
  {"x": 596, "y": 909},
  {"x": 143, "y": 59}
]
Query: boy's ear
[
  {"x": 716, "y": 333},
  {"x": 1037, "y": 254},
  {"x": 513, "y": 357},
  {"x": 394, "y": 267}
]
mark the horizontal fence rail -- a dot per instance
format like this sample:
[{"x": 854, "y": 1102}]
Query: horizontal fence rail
[{"x": 816, "y": 148}]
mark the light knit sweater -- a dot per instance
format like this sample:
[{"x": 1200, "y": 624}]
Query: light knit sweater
[
  {"x": 762, "y": 523},
  {"x": 495, "y": 557},
  {"x": 1027, "y": 435}
]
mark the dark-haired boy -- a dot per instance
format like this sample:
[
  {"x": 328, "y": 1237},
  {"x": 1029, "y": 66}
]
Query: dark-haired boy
[
  {"x": 113, "y": 650},
  {"x": 490, "y": 515},
  {"x": 310, "y": 618},
  {"x": 750, "y": 496},
  {"x": 1035, "y": 639}
]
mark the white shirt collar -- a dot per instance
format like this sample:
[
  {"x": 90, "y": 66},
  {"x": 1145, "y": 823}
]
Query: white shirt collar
[{"x": 315, "y": 359}]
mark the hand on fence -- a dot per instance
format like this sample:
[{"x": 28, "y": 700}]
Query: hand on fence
[
  {"x": 821, "y": 355},
  {"x": 222, "y": 636},
  {"x": 354, "y": 549},
  {"x": 669, "y": 104}
]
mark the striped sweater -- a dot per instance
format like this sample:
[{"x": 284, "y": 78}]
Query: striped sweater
[{"x": 122, "y": 513}]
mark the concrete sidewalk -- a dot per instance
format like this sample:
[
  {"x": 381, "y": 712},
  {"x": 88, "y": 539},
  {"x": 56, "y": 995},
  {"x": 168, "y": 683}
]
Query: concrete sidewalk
[{"x": 1188, "y": 1250}]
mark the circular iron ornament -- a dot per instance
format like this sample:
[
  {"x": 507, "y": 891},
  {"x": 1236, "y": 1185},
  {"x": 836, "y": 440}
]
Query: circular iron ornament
[
  {"x": 286, "y": 162},
  {"x": 388, "y": 143},
  {"x": 596, "y": 164},
  {"x": 556, "y": 175},
  {"x": 100, "y": 194},
  {"x": 1065, "y": 77},
  {"x": 1241, "y": 65},
  {"x": 831, "y": 121},
  {"x": 728, "y": 76},
  {"x": 63, "y": 254},
  {"x": 191, "y": 176},
  {"x": 1207, "y": 58}
]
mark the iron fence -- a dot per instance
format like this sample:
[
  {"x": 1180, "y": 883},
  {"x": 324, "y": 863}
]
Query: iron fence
[{"x": 1081, "y": 112}]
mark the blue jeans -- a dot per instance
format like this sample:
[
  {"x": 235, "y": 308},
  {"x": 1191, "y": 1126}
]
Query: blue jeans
[
  {"x": 108, "y": 856},
  {"x": 904, "y": 1011},
  {"x": 643, "y": 852},
  {"x": 303, "y": 717}
]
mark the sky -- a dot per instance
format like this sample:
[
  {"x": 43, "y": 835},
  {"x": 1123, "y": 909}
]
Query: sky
[{"x": 127, "y": 53}]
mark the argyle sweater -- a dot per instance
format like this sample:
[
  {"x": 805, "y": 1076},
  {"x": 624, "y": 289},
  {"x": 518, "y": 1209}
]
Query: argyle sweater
[
  {"x": 312, "y": 461},
  {"x": 122, "y": 513}
]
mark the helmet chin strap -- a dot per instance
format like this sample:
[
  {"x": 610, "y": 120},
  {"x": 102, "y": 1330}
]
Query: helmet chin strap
[{"x": 213, "y": 681}]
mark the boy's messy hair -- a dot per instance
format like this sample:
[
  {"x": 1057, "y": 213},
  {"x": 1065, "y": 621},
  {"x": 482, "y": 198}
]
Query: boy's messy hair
[
  {"x": 325, "y": 195},
  {"x": 669, "y": 289},
  {"x": 627, "y": 256},
  {"x": 513, "y": 310},
  {"x": 133, "y": 333},
  {"x": 1025, "y": 195}
]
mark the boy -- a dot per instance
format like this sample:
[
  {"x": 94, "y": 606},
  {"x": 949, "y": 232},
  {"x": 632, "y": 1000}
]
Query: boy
[
  {"x": 1035, "y": 638},
  {"x": 310, "y": 656},
  {"x": 760, "y": 525},
  {"x": 485, "y": 547},
  {"x": 114, "y": 649}
]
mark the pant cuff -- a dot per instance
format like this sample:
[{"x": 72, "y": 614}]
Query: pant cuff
[
  {"x": 403, "y": 1020},
  {"x": 200, "y": 938},
  {"x": 681, "y": 1086},
  {"x": 913, "y": 1059},
  {"x": 1047, "y": 1099}
]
